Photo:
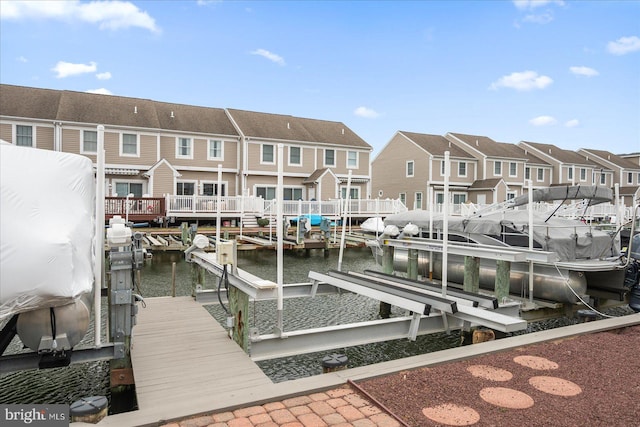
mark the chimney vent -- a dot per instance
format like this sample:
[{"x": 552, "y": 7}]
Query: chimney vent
[
  {"x": 135, "y": 109},
  {"x": 288, "y": 126},
  {"x": 172, "y": 116}
]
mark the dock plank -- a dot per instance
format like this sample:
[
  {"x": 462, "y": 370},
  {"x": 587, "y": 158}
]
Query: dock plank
[{"x": 179, "y": 349}]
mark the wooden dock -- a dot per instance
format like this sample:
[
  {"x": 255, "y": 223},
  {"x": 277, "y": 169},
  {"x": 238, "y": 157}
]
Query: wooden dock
[{"x": 184, "y": 361}]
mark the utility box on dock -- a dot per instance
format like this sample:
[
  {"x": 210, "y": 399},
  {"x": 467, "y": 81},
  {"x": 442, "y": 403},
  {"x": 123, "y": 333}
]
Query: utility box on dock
[{"x": 224, "y": 250}]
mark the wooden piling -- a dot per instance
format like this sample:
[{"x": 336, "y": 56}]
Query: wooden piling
[
  {"x": 173, "y": 279},
  {"x": 503, "y": 274},
  {"x": 471, "y": 281},
  {"x": 197, "y": 278},
  {"x": 239, "y": 308}
]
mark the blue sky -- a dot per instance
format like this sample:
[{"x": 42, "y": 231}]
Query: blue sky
[{"x": 556, "y": 72}]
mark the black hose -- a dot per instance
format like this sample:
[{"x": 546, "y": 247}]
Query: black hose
[
  {"x": 52, "y": 315},
  {"x": 224, "y": 277}
]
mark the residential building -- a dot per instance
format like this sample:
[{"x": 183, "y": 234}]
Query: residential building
[
  {"x": 155, "y": 148},
  {"x": 625, "y": 173},
  {"x": 411, "y": 164}
]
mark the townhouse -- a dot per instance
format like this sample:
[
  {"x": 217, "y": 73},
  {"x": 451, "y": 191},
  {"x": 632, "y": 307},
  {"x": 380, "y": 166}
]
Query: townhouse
[
  {"x": 155, "y": 148},
  {"x": 626, "y": 173},
  {"x": 412, "y": 164}
]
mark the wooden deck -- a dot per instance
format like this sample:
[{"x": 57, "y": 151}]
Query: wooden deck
[{"x": 183, "y": 359}]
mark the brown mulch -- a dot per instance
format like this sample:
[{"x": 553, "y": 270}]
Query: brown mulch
[{"x": 605, "y": 367}]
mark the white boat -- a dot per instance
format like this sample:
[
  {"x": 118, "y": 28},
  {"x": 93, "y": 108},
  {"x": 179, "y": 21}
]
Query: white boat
[
  {"x": 588, "y": 260},
  {"x": 373, "y": 225}
]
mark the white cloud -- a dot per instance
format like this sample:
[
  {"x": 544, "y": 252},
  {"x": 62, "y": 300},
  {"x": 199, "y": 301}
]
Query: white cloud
[
  {"x": 584, "y": 71},
  {"x": 66, "y": 69},
  {"x": 532, "y": 4},
  {"x": 101, "y": 91},
  {"x": 572, "y": 123},
  {"x": 208, "y": 2},
  {"x": 103, "y": 76},
  {"x": 543, "y": 121},
  {"x": 269, "y": 55},
  {"x": 22, "y": 59},
  {"x": 542, "y": 19},
  {"x": 111, "y": 14},
  {"x": 365, "y": 112},
  {"x": 624, "y": 45},
  {"x": 526, "y": 80}
]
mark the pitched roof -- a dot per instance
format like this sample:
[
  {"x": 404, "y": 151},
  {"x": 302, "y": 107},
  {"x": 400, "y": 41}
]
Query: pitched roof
[
  {"x": 564, "y": 156},
  {"x": 317, "y": 174},
  {"x": 488, "y": 146},
  {"x": 110, "y": 110},
  {"x": 628, "y": 190},
  {"x": 485, "y": 184},
  {"x": 612, "y": 158},
  {"x": 524, "y": 153},
  {"x": 289, "y": 128},
  {"x": 436, "y": 144}
]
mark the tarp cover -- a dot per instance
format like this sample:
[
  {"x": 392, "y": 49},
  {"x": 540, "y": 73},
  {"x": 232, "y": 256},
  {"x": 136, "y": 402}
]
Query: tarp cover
[
  {"x": 570, "y": 239},
  {"x": 47, "y": 202},
  {"x": 594, "y": 194}
]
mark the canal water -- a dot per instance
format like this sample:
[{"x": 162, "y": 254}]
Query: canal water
[{"x": 66, "y": 385}]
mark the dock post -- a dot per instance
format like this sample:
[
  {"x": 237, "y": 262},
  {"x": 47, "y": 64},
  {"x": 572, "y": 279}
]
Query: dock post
[
  {"x": 471, "y": 281},
  {"x": 239, "y": 308},
  {"x": 503, "y": 273},
  {"x": 197, "y": 278},
  {"x": 387, "y": 267},
  {"x": 412, "y": 266},
  {"x": 184, "y": 231}
]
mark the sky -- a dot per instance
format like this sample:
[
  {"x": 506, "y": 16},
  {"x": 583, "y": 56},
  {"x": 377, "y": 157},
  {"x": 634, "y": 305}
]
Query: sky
[{"x": 556, "y": 72}]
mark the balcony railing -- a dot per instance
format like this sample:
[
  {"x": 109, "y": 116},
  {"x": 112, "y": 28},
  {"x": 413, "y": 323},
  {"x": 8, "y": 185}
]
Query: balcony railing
[{"x": 137, "y": 208}]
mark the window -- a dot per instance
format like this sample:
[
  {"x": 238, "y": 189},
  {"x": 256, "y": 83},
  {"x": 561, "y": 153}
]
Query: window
[
  {"x": 603, "y": 178},
  {"x": 267, "y": 193},
  {"x": 630, "y": 178},
  {"x": 215, "y": 150},
  {"x": 185, "y": 188},
  {"x": 570, "y": 173},
  {"x": 295, "y": 157},
  {"x": 511, "y": 195},
  {"x": 583, "y": 174},
  {"x": 89, "y": 141},
  {"x": 497, "y": 168},
  {"x": 267, "y": 155},
  {"x": 442, "y": 168},
  {"x": 129, "y": 146},
  {"x": 24, "y": 136},
  {"x": 292, "y": 193},
  {"x": 513, "y": 169},
  {"x": 459, "y": 198},
  {"x": 184, "y": 148},
  {"x": 439, "y": 198},
  {"x": 409, "y": 168},
  {"x": 211, "y": 189},
  {"x": 418, "y": 201},
  {"x": 354, "y": 193},
  {"x": 329, "y": 157},
  {"x": 125, "y": 188},
  {"x": 403, "y": 198},
  {"x": 462, "y": 169},
  {"x": 540, "y": 174},
  {"x": 352, "y": 159},
  {"x": 527, "y": 173}
]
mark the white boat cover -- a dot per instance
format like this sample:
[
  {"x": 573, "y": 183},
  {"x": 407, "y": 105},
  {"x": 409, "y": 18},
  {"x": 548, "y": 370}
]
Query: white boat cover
[
  {"x": 47, "y": 202},
  {"x": 593, "y": 193},
  {"x": 572, "y": 240}
]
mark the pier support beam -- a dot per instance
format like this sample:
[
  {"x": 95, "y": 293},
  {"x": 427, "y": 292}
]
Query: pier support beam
[
  {"x": 239, "y": 308},
  {"x": 197, "y": 278},
  {"x": 503, "y": 273},
  {"x": 387, "y": 267},
  {"x": 471, "y": 281}
]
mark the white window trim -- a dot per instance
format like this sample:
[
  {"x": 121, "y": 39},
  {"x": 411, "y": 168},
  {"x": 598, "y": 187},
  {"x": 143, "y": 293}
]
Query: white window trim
[
  {"x": 209, "y": 143},
  {"x": 415, "y": 200},
  {"x": 442, "y": 168},
  {"x": 403, "y": 196},
  {"x": 570, "y": 172},
  {"x": 289, "y": 156},
  {"x": 515, "y": 174},
  {"x": 188, "y": 156},
  {"x": 122, "y": 154},
  {"x": 357, "y": 159},
  {"x": 603, "y": 177},
  {"x": 256, "y": 186},
  {"x": 353, "y": 187},
  {"x": 128, "y": 181},
  {"x": 465, "y": 169},
  {"x": 527, "y": 168},
  {"x": 324, "y": 158},
  {"x": 82, "y": 150},
  {"x": 200, "y": 192},
  {"x": 413, "y": 169},
  {"x": 33, "y": 134},
  {"x": 585, "y": 174},
  {"x": 458, "y": 193},
  {"x": 495, "y": 164},
  {"x": 512, "y": 193},
  {"x": 630, "y": 178},
  {"x": 275, "y": 154},
  {"x": 538, "y": 179},
  {"x": 295, "y": 187},
  {"x": 186, "y": 181}
]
